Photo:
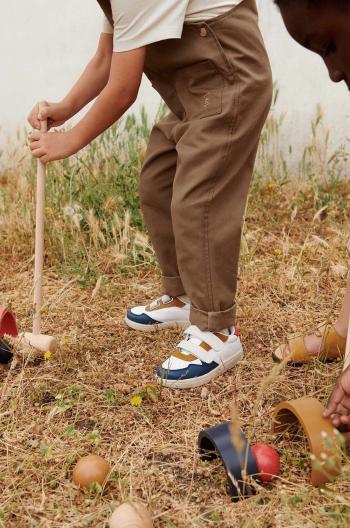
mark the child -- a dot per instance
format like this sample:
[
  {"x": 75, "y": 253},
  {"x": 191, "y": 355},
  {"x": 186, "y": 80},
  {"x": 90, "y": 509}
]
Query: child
[
  {"x": 208, "y": 62},
  {"x": 323, "y": 26}
]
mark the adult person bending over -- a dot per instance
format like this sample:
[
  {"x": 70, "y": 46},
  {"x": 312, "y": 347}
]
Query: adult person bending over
[
  {"x": 208, "y": 62},
  {"x": 323, "y": 26}
]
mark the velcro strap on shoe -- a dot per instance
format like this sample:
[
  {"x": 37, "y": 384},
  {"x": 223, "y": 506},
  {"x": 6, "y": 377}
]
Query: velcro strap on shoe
[
  {"x": 196, "y": 350},
  {"x": 208, "y": 337}
]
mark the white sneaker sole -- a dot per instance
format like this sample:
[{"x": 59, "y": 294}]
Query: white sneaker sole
[
  {"x": 206, "y": 378},
  {"x": 158, "y": 326}
]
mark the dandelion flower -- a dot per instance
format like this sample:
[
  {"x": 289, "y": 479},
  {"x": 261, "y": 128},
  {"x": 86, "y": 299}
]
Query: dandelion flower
[
  {"x": 47, "y": 355},
  {"x": 136, "y": 400}
]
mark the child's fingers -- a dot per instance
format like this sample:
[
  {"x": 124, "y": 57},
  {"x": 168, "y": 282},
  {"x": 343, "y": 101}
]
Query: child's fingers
[
  {"x": 39, "y": 152},
  {"x": 43, "y": 108},
  {"x": 34, "y": 136},
  {"x": 34, "y": 122},
  {"x": 44, "y": 114},
  {"x": 36, "y": 117},
  {"x": 35, "y": 145},
  {"x": 33, "y": 117}
]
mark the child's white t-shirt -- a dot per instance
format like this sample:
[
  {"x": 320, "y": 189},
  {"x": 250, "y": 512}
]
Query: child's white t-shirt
[{"x": 141, "y": 22}]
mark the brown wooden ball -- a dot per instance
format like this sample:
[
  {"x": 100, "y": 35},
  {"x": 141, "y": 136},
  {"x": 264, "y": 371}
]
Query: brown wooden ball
[
  {"x": 131, "y": 515},
  {"x": 89, "y": 469}
]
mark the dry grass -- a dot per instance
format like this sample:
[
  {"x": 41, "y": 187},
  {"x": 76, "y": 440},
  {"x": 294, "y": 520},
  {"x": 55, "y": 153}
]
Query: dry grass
[{"x": 52, "y": 412}]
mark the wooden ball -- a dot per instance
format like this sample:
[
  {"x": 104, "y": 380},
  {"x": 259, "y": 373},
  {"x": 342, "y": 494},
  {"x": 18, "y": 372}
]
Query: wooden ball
[
  {"x": 89, "y": 469},
  {"x": 268, "y": 461},
  {"x": 131, "y": 515}
]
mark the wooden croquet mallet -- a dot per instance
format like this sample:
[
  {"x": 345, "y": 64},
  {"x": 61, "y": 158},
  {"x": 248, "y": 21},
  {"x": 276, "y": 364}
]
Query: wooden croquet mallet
[{"x": 37, "y": 340}]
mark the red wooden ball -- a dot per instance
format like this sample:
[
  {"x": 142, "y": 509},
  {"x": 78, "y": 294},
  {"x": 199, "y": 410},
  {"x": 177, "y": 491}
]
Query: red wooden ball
[{"x": 268, "y": 461}]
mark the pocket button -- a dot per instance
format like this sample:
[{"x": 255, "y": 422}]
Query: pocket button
[{"x": 203, "y": 32}]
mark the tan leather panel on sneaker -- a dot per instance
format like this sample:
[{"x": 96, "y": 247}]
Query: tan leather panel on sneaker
[
  {"x": 174, "y": 303},
  {"x": 185, "y": 357},
  {"x": 190, "y": 357},
  {"x": 223, "y": 337}
]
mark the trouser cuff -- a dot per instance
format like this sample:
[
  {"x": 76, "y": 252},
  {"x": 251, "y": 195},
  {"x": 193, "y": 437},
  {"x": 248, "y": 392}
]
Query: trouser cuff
[
  {"x": 172, "y": 286},
  {"x": 212, "y": 321}
]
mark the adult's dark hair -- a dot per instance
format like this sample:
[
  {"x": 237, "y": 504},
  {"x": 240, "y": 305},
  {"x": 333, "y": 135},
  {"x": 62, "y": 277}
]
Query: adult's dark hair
[
  {"x": 313, "y": 3},
  {"x": 285, "y": 2}
]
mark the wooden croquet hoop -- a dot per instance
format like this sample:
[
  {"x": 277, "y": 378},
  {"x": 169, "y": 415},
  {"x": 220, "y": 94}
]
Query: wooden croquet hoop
[
  {"x": 8, "y": 324},
  {"x": 320, "y": 432},
  {"x": 217, "y": 441}
]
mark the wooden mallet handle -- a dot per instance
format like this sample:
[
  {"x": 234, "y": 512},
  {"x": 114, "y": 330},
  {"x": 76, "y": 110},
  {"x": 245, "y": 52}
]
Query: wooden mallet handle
[{"x": 39, "y": 238}]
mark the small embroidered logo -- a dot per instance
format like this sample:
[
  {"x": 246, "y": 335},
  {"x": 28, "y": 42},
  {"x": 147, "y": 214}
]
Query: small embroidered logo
[{"x": 206, "y": 100}]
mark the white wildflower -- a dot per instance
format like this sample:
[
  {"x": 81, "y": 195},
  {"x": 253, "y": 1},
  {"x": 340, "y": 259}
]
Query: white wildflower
[{"x": 68, "y": 210}]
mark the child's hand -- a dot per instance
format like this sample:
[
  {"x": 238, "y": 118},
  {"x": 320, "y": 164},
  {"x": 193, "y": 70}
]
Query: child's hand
[
  {"x": 56, "y": 114},
  {"x": 338, "y": 407},
  {"x": 53, "y": 146}
]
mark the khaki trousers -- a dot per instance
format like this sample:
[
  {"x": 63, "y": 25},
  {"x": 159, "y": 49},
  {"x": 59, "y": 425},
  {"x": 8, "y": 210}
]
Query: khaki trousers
[{"x": 216, "y": 81}]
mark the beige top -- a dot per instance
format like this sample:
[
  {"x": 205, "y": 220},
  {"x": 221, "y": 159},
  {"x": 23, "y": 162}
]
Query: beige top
[{"x": 141, "y": 22}]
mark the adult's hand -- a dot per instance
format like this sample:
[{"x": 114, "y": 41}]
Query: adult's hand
[{"x": 338, "y": 407}]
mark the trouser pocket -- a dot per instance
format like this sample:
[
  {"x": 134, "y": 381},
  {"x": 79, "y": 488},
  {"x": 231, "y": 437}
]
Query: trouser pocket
[{"x": 199, "y": 88}]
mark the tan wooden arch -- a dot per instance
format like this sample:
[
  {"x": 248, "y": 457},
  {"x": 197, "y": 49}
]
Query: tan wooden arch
[{"x": 309, "y": 413}]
